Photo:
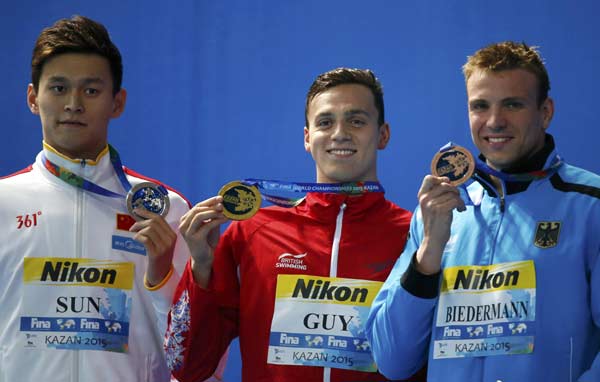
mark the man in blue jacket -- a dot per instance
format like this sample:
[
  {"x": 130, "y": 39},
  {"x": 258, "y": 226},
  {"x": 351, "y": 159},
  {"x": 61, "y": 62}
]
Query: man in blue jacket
[{"x": 506, "y": 287}]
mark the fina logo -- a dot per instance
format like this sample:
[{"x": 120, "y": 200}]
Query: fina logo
[{"x": 128, "y": 244}]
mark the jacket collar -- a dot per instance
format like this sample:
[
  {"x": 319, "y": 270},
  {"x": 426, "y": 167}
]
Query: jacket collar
[
  {"x": 97, "y": 170},
  {"x": 325, "y": 206},
  {"x": 536, "y": 162}
]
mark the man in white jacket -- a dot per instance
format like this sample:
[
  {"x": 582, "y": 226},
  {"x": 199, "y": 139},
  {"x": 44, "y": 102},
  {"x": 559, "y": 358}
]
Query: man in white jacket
[{"x": 90, "y": 252}]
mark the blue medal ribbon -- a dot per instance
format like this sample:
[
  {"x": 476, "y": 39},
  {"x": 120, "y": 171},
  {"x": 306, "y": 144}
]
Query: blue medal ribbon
[
  {"x": 267, "y": 187},
  {"x": 523, "y": 177},
  {"x": 480, "y": 165},
  {"x": 75, "y": 180}
]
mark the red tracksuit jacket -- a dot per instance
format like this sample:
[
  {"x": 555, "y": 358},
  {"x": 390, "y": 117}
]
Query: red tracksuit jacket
[{"x": 330, "y": 235}]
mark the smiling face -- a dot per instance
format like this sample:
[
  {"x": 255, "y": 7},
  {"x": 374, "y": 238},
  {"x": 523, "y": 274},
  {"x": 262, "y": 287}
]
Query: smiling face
[
  {"x": 508, "y": 124},
  {"x": 343, "y": 135},
  {"x": 75, "y": 103}
]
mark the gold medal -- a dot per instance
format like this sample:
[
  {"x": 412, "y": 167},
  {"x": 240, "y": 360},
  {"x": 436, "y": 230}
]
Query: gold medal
[
  {"x": 240, "y": 201},
  {"x": 456, "y": 163}
]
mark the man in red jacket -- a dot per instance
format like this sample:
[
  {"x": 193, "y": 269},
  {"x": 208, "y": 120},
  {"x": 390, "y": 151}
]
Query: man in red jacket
[{"x": 295, "y": 284}]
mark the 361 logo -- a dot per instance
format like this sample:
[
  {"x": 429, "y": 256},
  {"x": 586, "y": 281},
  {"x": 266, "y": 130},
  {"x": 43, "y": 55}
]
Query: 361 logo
[{"x": 28, "y": 220}]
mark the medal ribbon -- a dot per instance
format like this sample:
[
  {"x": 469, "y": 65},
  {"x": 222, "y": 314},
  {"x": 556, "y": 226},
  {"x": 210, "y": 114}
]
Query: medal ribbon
[
  {"x": 522, "y": 177},
  {"x": 80, "y": 182},
  {"x": 268, "y": 186},
  {"x": 480, "y": 165}
]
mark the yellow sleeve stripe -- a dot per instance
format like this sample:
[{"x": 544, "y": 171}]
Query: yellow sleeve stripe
[{"x": 159, "y": 285}]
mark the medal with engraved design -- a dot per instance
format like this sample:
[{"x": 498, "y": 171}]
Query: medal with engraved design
[
  {"x": 150, "y": 196},
  {"x": 240, "y": 201},
  {"x": 455, "y": 163}
]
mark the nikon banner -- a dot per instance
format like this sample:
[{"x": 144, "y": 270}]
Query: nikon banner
[
  {"x": 76, "y": 303},
  {"x": 486, "y": 311},
  {"x": 320, "y": 321}
]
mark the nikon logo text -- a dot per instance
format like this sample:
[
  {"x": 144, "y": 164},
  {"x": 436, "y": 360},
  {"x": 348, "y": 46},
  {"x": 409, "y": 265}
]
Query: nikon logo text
[
  {"x": 72, "y": 272},
  {"x": 319, "y": 290},
  {"x": 484, "y": 279}
]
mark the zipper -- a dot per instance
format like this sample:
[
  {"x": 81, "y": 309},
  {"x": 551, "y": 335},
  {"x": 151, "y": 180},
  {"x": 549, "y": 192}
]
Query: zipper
[
  {"x": 78, "y": 252},
  {"x": 335, "y": 247},
  {"x": 335, "y": 250},
  {"x": 502, "y": 196}
]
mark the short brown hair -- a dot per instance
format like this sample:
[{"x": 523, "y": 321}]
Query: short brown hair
[
  {"x": 509, "y": 55},
  {"x": 345, "y": 76},
  {"x": 78, "y": 34}
]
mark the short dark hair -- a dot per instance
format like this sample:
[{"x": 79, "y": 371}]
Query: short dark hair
[
  {"x": 78, "y": 34},
  {"x": 509, "y": 55},
  {"x": 345, "y": 76}
]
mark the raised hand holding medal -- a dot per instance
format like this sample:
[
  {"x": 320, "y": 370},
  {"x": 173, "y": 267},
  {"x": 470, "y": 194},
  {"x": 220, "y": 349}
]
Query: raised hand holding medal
[{"x": 151, "y": 230}]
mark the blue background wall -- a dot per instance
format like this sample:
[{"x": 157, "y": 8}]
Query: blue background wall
[{"x": 216, "y": 88}]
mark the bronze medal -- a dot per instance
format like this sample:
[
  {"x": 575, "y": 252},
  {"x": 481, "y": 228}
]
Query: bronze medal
[{"x": 456, "y": 163}]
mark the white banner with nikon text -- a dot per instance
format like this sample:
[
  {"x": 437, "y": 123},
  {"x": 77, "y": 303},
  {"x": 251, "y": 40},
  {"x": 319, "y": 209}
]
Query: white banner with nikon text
[
  {"x": 486, "y": 311},
  {"x": 320, "y": 321},
  {"x": 76, "y": 303}
]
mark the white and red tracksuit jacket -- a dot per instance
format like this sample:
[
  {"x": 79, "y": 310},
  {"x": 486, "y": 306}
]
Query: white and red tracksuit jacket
[
  {"x": 53, "y": 328},
  {"x": 336, "y": 235}
]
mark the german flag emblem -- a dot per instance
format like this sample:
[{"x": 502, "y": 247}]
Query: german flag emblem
[{"x": 546, "y": 234}]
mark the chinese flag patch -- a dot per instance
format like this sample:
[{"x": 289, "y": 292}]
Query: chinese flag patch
[{"x": 124, "y": 222}]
